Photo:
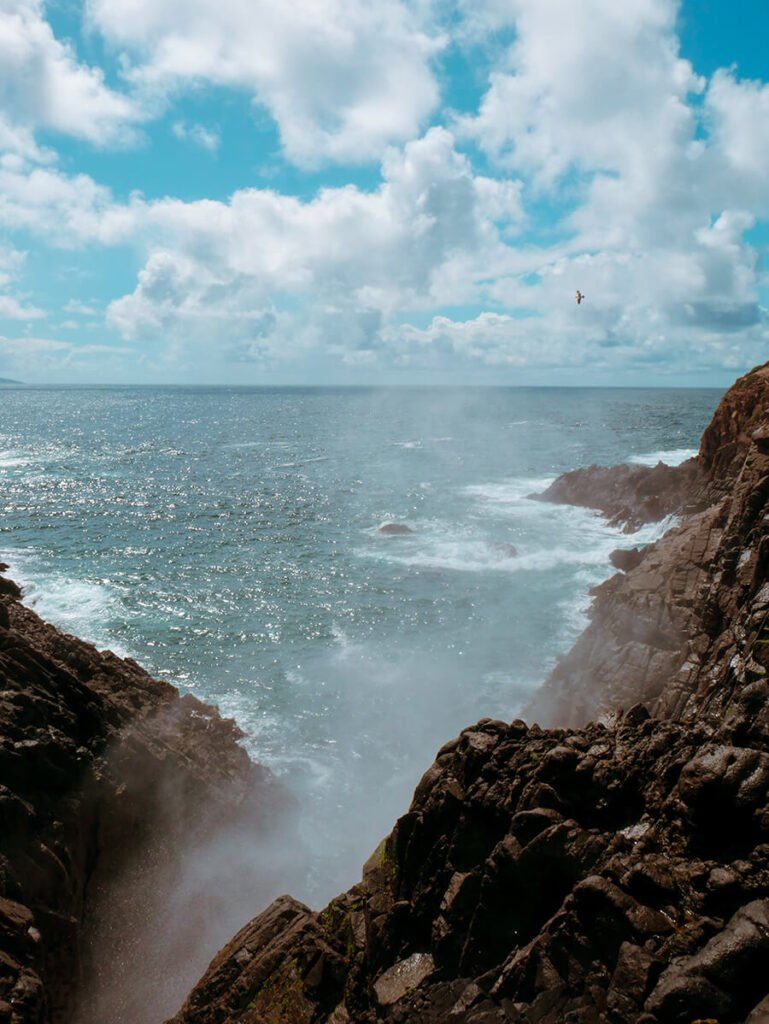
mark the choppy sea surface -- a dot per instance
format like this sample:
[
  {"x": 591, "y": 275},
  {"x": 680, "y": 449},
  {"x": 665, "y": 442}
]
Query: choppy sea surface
[{"x": 228, "y": 539}]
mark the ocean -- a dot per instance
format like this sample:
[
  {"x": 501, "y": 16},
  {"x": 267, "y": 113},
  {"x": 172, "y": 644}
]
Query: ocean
[{"x": 228, "y": 539}]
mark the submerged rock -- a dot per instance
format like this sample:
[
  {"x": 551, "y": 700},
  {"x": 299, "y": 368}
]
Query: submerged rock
[{"x": 394, "y": 529}]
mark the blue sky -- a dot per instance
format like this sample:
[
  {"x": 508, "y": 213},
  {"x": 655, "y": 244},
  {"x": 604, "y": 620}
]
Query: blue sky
[{"x": 336, "y": 191}]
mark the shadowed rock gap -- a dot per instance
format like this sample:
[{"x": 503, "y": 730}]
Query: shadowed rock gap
[
  {"x": 136, "y": 833},
  {"x": 584, "y": 873}
]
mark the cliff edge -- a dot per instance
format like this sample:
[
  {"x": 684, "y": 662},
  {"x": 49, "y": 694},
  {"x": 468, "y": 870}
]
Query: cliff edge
[
  {"x": 115, "y": 793},
  {"x": 587, "y": 872}
]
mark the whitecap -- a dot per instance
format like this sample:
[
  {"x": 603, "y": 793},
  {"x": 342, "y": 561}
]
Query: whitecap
[
  {"x": 75, "y": 606},
  {"x": 11, "y": 459},
  {"x": 509, "y": 492},
  {"x": 670, "y": 456}
]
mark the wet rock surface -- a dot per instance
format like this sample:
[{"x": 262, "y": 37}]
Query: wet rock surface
[
  {"x": 591, "y": 873},
  {"x": 104, "y": 771}
]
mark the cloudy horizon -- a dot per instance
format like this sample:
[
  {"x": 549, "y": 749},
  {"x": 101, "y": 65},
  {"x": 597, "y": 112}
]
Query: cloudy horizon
[{"x": 406, "y": 192}]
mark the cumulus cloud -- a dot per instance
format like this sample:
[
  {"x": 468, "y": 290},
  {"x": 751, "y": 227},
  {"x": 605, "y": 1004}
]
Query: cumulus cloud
[
  {"x": 42, "y": 84},
  {"x": 425, "y": 236},
  {"x": 615, "y": 168},
  {"x": 341, "y": 78},
  {"x": 66, "y": 210}
]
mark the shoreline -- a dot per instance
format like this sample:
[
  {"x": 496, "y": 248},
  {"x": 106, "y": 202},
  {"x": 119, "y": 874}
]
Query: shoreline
[{"x": 419, "y": 937}]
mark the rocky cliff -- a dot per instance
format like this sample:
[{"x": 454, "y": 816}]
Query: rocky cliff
[
  {"x": 583, "y": 873},
  {"x": 114, "y": 792}
]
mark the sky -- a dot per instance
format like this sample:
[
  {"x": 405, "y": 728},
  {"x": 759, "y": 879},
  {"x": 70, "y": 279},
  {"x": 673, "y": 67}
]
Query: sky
[{"x": 384, "y": 191}]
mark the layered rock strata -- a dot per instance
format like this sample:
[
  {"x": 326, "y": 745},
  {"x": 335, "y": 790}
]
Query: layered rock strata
[
  {"x": 584, "y": 873},
  {"x": 108, "y": 775}
]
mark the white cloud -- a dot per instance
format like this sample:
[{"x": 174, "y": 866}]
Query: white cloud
[
  {"x": 657, "y": 176},
  {"x": 341, "y": 78},
  {"x": 66, "y": 210},
  {"x": 42, "y": 84},
  {"x": 12, "y": 309},
  {"x": 80, "y": 308},
  {"x": 13, "y": 306},
  {"x": 425, "y": 236},
  {"x": 45, "y": 358},
  {"x": 590, "y": 85},
  {"x": 197, "y": 134},
  {"x": 738, "y": 118}
]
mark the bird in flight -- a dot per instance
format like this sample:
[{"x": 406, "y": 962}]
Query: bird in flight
[{"x": 580, "y": 296}]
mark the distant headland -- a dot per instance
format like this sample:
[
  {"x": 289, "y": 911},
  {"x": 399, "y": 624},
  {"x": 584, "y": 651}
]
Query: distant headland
[{"x": 7, "y": 380}]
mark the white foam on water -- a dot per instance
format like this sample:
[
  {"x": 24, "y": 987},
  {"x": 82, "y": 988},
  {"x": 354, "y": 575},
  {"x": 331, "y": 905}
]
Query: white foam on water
[
  {"x": 10, "y": 459},
  {"x": 80, "y": 607},
  {"x": 301, "y": 462},
  {"x": 510, "y": 495},
  {"x": 670, "y": 456}
]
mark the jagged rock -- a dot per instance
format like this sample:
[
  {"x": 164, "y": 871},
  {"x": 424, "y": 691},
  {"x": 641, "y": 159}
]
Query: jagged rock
[
  {"x": 536, "y": 913},
  {"x": 687, "y": 628},
  {"x": 628, "y": 496},
  {"x": 112, "y": 786},
  {"x": 402, "y": 978}
]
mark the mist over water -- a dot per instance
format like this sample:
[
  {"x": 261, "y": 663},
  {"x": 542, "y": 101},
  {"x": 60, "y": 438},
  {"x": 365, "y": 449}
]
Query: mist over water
[{"x": 228, "y": 540}]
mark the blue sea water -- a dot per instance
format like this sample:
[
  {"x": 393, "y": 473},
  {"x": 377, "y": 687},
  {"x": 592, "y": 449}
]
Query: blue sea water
[{"x": 227, "y": 538}]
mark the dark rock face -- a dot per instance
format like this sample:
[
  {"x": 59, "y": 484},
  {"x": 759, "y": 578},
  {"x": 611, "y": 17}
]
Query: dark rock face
[
  {"x": 561, "y": 875},
  {"x": 596, "y": 874},
  {"x": 629, "y": 496},
  {"x": 106, "y": 775},
  {"x": 626, "y": 559}
]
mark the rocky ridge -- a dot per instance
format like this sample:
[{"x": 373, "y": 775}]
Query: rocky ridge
[
  {"x": 110, "y": 785},
  {"x": 590, "y": 872}
]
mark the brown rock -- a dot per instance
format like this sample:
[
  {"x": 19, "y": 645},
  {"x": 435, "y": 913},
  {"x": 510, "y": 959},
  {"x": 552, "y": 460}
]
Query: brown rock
[{"x": 395, "y": 529}]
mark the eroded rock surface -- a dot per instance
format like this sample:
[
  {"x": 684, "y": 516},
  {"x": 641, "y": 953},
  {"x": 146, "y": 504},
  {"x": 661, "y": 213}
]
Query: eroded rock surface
[{"x": 107, "y": 774}]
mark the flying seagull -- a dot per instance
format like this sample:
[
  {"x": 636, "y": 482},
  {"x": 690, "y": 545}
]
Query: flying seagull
[{"x": 580, "y": 296}]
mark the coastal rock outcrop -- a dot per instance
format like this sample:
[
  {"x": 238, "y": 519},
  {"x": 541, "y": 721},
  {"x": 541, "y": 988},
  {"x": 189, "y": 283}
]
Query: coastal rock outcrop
[
  {"x": 113, "y": 790},
  {"x": 629, "y": 496},
  {"x": 559, "y": 875},
  {"x": 688, "y": 626},
  {"x": 594, "y": 872}
]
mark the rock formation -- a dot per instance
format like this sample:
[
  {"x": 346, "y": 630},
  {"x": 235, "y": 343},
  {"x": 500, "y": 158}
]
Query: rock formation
[
  {"x": 612, "y": 868},
  {"x": 584, "y": 873},
  {"x": 107, "y": 774}
]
